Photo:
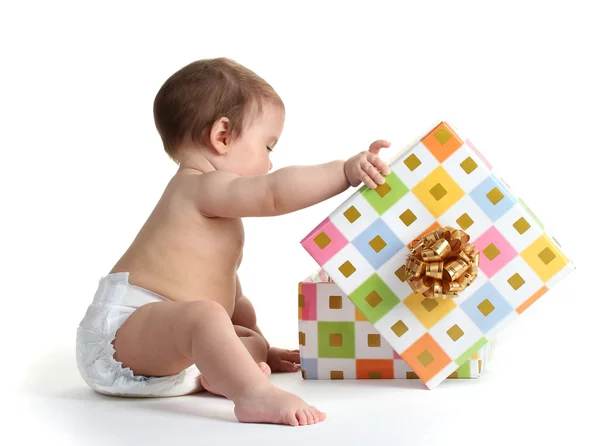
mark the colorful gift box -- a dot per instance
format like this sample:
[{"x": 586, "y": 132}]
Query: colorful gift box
[
  {"x": 439, "y": 180},
  {"x": 337, "y": 341}
]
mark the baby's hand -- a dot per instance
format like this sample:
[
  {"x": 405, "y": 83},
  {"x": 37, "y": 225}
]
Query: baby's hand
[
  {"x": 367, "y": 167},
  {"x": 281, "y": 360}
]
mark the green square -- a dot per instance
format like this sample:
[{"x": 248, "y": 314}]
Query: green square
[
  {"x": 389, "y": 299},
  {"x": 464, "y": 371},
  {"x": 382, "y": 203},
  {"x": 466, "y": 356},
  {"x": 537, "y": 220},
  {"x": 346, "y": 330}
]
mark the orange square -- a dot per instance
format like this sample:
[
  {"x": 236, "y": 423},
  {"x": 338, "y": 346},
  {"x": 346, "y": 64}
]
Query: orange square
[
  {"x": 525, "y": 305},
  {"x": 369, "y": 368},
  {"x": 442, "y": 142},
  {"x": 359, "y": 316},
  {"x": 426, "y": 344}
]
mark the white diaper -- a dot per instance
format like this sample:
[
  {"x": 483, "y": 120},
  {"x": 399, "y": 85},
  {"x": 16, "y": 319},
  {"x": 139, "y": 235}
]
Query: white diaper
[{"x": 115, "y": 300}]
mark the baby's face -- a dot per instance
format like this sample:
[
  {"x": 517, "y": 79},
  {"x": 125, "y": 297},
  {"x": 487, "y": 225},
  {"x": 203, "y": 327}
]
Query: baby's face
[{"x": 249, "y": 153}]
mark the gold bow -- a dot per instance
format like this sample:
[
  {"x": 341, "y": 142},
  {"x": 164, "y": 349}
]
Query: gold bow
[{"x": 442, "y": 264}]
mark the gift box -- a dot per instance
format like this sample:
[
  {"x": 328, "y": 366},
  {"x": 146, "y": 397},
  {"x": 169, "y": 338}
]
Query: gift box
[
  {"x": 338, "y": 342},
  {"x": 440, "y": 185}
]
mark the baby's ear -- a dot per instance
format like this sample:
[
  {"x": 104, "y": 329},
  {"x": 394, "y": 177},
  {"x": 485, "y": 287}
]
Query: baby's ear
[{"x": 220, "y": 137}]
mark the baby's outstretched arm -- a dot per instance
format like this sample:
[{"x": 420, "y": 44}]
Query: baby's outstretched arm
[{"x": 224, "y": 194}]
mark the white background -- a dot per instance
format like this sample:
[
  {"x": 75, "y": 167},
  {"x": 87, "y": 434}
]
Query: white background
[{"x": 82, "y": 166}]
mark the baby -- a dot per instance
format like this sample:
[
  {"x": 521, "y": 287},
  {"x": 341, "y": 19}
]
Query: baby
[{"x": 173, "y": 306}]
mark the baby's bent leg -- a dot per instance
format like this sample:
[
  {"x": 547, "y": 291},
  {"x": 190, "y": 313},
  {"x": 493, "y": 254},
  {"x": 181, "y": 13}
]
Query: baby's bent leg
[
  {"x": 163, "y": 338},
  {"x": 256, "y": 346}
]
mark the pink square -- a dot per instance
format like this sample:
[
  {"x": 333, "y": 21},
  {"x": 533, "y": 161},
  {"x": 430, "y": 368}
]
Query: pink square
[
  {"x": 330, "y": 238},
  {"x": 474, "y": 149},
  {"x": 396, "y": 355},
  {"x": 506, "y": 254},
  {"x": 309, "y": 312}
]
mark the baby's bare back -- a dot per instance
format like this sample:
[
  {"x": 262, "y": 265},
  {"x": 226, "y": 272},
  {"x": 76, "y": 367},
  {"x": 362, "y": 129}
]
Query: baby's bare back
[{"x": 181, "y": 254}]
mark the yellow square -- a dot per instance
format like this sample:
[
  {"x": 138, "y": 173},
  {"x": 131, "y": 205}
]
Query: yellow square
[
  {"x": 374, "y": 299},
  {"x": 302, "y": 338},
  {"x": 336, "y": 374},
  {"x": 377, "y": 244},
  {"x": 425, "y": 358},
  {"x": 486, "y": 307},
  {"x": 301, "y": 300},
  {"x": 438, "y": 192},
  {"x": 374, "y": 340},
  {"x": 437, "y": 206},
  {"x": 303, "y": 373},
  {"x": 521, "y": 225},
  {"x": 347, "y": 269},
  {"x": 411, "y": 375},
  {"x": 428, "y": 311},
  {"x": 322, "y": 240},
  {"x": 336, "y": 340},
  {"x": 401, "y": 273},
  {"x": 352, "y": 214},
  {"x": 516, "y": 281},
  {"x": 455, "y": 332},
  {"x": 399, "y": 328},
  {"x": 536, "y": 255},
  {"x": 408, "y": 218},
  {"x": 495, "y": 196},
  {"x": 374, "y": 375},
  {"x": 335, "y": 302},
  {"x": 412, "y": 162},
  {"x": 491, "y": 251},
  {"x": 468, "y": 165},
  {"x": 464, "y": 221},
  {"x": 383, "y": 189}
]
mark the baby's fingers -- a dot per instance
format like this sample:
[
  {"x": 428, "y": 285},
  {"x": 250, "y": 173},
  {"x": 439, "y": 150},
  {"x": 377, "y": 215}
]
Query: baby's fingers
[
  {"x": 369, "y": 182},
  {"x": 373, "y": 173},
  {"x": 379, "y": 164},
  {"x": 376, "y": 146},
  {"x": 287, "y": 366},
  {"x": 292, "y": 356}
]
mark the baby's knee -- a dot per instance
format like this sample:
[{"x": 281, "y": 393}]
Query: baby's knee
[{"x": 203, "y": 313}]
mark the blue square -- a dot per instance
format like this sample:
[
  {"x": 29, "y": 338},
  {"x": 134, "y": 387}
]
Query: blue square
[
  {"x": 310, "y": 365},
  {"x": 480, "y": 196},
  {"x": 365, "y": 243},
  {"x": 501, "y": 307}
]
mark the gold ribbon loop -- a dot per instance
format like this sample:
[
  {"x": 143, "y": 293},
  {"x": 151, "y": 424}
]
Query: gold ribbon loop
[
  {"x": 442, "y": 263},
  {"x": 435, "y": 270}
]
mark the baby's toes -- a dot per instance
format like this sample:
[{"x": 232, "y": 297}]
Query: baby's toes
[
  {"x": 290, "y": 418},
  {"x": 301, "y": 417},
  {"x": 309, "y": 416},
  {"x": 317, "y": 415},
  {"x": 265, "y": 368}
]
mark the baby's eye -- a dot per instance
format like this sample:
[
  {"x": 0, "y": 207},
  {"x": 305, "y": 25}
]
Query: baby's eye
[{"x": 269, "y": 149}]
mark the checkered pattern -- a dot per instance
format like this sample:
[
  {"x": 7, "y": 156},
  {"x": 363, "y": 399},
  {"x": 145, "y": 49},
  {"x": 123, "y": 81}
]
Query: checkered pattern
[
  {"x": 440, "y": 180},
  {"x": 337, "y": 341}
]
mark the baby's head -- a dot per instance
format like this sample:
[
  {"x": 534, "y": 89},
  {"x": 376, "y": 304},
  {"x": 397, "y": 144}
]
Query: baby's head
[{"x": 222, "y": 111}]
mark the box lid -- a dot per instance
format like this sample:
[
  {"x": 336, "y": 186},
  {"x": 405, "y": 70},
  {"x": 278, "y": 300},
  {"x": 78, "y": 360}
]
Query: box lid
[{"x": 441, "y": 179}]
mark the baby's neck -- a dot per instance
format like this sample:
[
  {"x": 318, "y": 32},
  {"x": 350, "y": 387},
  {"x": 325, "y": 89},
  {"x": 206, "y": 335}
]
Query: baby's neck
[{"x": 196, "y": 161}]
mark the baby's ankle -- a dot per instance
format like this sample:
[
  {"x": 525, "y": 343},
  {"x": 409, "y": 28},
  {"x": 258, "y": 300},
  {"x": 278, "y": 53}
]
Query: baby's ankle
[{"x": 251, "y": 391}]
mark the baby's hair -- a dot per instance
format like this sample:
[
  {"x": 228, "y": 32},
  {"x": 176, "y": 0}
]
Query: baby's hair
[{"x": 200, "y": 93}]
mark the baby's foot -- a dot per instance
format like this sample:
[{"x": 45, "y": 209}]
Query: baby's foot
[
  {"x": 269, "y": 404},
  {"x": 262, "y": 365}
]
